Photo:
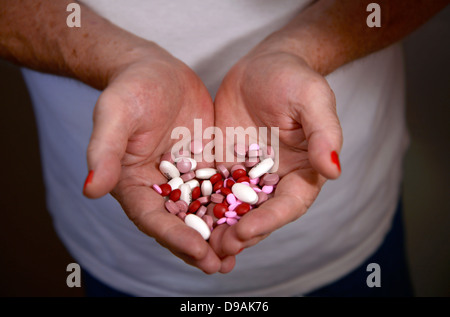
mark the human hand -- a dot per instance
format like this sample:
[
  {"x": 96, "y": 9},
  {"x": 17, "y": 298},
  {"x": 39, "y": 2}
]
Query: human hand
[
  {"x": 273, "y": 88},
  {"x": 145, "y": 99}
]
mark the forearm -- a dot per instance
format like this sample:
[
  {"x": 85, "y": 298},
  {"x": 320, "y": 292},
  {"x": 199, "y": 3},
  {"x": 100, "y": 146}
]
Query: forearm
[
  {"x": 331, "y": 33},
  {"x": 34, "y": 33}
]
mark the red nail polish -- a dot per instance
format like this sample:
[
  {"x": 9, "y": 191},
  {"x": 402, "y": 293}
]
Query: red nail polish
[
  {"x": 88, "y": 179},
  {"x": 335, "y": 160}
]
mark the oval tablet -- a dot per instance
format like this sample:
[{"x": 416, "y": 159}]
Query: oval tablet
[
  {"x": 205, "y": 173},
  {"x": 175, "y": 182},
  {"x": 185, "y": 159},
  {"x": 244, "y": 193},
  {"x": 186, "y": 193},
  {"x": 198, "y": 224},
  {"x": 206, "y": 188},
  {"x": 261, "y": 168},
  {"x": 169, "y": 170}
]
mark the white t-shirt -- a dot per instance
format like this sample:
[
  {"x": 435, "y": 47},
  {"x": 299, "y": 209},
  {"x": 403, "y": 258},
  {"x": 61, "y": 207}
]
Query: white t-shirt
[{"x": 343, "y": 227}]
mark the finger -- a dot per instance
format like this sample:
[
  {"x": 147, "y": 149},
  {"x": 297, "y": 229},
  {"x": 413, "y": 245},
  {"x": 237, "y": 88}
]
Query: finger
[
  {"x": 145, "y": 208},
  {"x": 107, "y": 146},
  {"x": 322, "y": 129}
]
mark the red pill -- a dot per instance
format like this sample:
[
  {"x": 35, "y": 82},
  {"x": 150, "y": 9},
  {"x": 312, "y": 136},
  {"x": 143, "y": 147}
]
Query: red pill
[
  {"x": 239, "y": 173},
  {"x": 220, "y": 210},
  {"x": 194, "y": 206},
  {"x": 230, "y": 183},
  {"x": 215, "y": 178},
  {"x": 166, "y": 189},
  {"x": 196, "y": 192},
  {"x": 175, "y": 195},
  {"x": 218, "y": 186},
  {"x": 243, "y": 179},
  {"x": 225, "y": 191},
  {"x": 242, "y": 209}
]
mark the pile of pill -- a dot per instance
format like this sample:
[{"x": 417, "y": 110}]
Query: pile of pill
[{"x": 207, "y": 197}]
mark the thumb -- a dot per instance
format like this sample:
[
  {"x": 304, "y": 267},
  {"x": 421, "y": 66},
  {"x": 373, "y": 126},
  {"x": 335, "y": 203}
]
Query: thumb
[
  {"x": 323, "y": 132},
  {"x": 106, "y": 148}
]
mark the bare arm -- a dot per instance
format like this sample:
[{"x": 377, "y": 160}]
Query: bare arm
[
  {"x": 331, "y": 33},
  {"x": 281, "y": 83},
  {"x": 34, "y": 33},
  {"x": 133, "y": 117}
]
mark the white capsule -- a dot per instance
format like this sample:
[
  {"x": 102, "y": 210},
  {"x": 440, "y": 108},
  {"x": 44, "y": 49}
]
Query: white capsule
[
  {"x": 175, "y": 182},
  {"x": 193, "y": 183},
  {"x": 261, "y": 168},
  {"x": 186, "y": 193},
  {"x": 193, "y": 162},
  {"x": 205, "y": 173},
  {"x": 245, "y": 193},
  {"x": 198, "y": 224},
  {"x": 169, "y": 170},
  {"x": 206, "y": 188}
]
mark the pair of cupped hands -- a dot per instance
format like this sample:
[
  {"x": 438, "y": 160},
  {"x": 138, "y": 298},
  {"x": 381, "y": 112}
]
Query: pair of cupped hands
[{"x": 153, "y": 93}]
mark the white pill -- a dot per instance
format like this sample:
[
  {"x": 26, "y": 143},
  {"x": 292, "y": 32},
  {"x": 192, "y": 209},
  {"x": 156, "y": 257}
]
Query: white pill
[
  {"x": 169, "y": 169},
  {"x": 175, "y": 182},
  {"x": 245, "y": 193},
  {"x": 206, "y": 188},
  {"x": 193, "y": 162},
  {"x": 186, "y": 193},
  {"x": 198, "y": 224},
  {"x": 193, "y": 183},
  {"x": 261, "y": 168},
  {"x": 205, "y": 173}
]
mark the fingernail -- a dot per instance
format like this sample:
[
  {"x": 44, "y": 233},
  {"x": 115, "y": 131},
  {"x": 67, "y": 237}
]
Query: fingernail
[
  {"x": 240, "y": 251},
  {"x": 335, "y": 160},
  {"x": 88, "y": 179}
]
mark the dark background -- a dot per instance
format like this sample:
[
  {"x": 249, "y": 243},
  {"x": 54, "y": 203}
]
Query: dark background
[{"x": 33, "y": 261}]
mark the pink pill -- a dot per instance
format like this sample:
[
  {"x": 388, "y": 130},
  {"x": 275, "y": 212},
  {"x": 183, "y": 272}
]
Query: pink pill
[
  {"x": 201, "y": 211},
  {"x": 184, "y": 207},
  {"x": 251, "y": 162},
  {"x": 217, "y": 198},
  {"x": 188, "y": 176},
  {"x": 196, "y": 146},
  {"x": 231, "y": 199},
  {"x": 167, "y": 157},
  {"x": 257, "y": 189},
  {"x": 237, "y": 167},
  {"x": 233, "y": 206},
  {"x": 172, "y": 207},
  {"x": 254, "y": 153},
  {"x": 204, "y": 200},
  {"x": 223, "y": 170},
  {"x": 157, "y": 188},
  {"x": 267, "y": 189},
  {"x": 230, "y": 214},
  {"x": 240, "y": 150},
  {"x": 253, "y": 146},
  {"x": 270, "y": 179},
  {"x": 181, "y": 215},
  {"x": 254, "y": 181},
  {"x": 209, "y": 221},
  {"x": 262, "y": 197},
  {"x": 221, "y": 220},
  {"x": 184, "y": 165},
  {"x": 231, "y": 221}
]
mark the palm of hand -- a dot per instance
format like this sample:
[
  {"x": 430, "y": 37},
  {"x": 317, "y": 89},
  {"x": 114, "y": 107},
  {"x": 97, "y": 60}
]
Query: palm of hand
[
  {"x": 130, "y": 136},
  {"x": 278, "y": 90}
]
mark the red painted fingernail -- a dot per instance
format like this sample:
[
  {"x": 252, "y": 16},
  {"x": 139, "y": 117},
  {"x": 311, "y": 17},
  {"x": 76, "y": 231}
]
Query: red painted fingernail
[
  {"x": 335, "y": 160},
  {"x": 88, "y": 179}
]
